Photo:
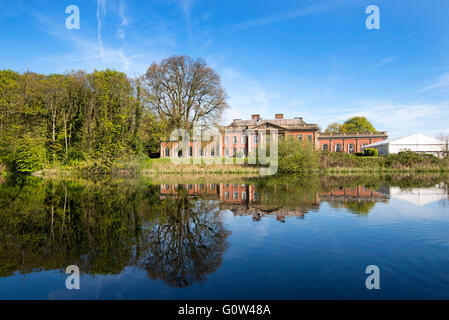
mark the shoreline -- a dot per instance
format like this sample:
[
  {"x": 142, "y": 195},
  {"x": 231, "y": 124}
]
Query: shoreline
[
  {"x": 234, "y": 170},
  {"x": 351, "y": 166}
]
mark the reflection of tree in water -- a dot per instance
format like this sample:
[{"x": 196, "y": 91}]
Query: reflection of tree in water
[
  {"x": 363, "y": 207},
  {"x": 52, "y": 224},
  {"x": 357, "y": 207},
  {"x": 186, "y": 243},
  {"x": 103, "y": 227}
]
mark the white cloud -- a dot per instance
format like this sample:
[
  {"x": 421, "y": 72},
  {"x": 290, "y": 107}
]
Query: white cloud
[
  {"x": 401, "y": 119},
  {"x": 101, "y": 12},
  {"x": 122, "y": 10},
  {"x": 441, "y": 84},
  {"x": 91, "y": 53},
  {"x": 288, "y": 15},
  {"x": 378, "y": 65}
]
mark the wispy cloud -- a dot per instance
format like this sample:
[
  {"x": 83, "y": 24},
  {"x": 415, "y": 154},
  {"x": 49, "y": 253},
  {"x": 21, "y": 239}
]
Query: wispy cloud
[
  {"x": 122, "y": 13},
  {"x": 90, "y": 53},
  {"x": 288, "y": 15},
  {"x": 441, "y": 84},
  {"x": 122, "y": 34},
  {"x": 101, "y": 12},
  {"x": 402, "y": 118},
  {"x": 378, "y": 65},
  {"x": 186, "y": 8}
]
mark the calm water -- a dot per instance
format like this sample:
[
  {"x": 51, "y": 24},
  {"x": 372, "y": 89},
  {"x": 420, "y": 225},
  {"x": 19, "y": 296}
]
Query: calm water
[{"x": 277, "y": 238}]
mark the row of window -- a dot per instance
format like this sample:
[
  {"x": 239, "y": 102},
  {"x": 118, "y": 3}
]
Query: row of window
[
  {"x": 338, "y": 147},
  {"x": 202, "y": 152},
  {"x": 235, "y": 195},
  {"x": 242, "y": 151},
  {"x": 235, "y": 152},
  {"x": 267, "y": 138},
  {"x": 243, "y": 139},
  {"x": 300, "y": 137},
  {"x": 234, "y": 139},
  {"x": 201, "y": 186}
]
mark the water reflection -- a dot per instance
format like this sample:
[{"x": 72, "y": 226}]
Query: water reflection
[
  {"x": 185, "y": 243},
  {"x": 175, "y": 232},
  {"x": 421, "y": 196},
  {"x": 259, "y": 201}
]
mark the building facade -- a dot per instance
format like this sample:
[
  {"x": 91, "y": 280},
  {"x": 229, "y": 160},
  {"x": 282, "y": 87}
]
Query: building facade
[{"x": 241, "y": 138}]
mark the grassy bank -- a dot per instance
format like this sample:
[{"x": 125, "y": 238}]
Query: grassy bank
[
  {"x": 146, "y": 166},
  {"x": 294, "y": 158},
  {"x": 218, "y": 166}
]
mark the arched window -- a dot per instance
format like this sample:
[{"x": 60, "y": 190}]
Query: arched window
[
  {"x": 351, "y": 148},
  {"x": 338, "y": 147},
  {"x": 167, "y": 151},
  {"x": 325, "y": 147}
]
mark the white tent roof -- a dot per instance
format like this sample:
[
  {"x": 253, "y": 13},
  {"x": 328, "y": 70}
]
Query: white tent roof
[
  {"x": 419, "y": 196},
  {"x": 416, "y": 138}
]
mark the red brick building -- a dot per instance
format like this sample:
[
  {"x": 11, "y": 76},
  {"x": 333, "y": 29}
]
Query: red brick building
[
  {"x": 348, "y": 142},
  {"x": 242, "y": 136}
]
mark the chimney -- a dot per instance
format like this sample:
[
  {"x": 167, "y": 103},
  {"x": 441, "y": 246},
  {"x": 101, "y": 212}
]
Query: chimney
[
  {"x": 279, "y": 116},
  {"x": 255, "y": 116}
]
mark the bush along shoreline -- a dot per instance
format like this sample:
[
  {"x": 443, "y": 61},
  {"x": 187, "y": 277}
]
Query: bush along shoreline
[
  {"x": 294, "y": 158},
  {"x": 300, "y": 157}
]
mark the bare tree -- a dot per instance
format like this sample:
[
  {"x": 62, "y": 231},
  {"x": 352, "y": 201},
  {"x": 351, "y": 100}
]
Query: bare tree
[{"x": 185, "y": 92}]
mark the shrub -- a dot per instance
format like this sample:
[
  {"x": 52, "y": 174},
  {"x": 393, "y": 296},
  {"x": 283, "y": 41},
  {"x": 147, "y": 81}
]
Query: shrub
[
  {"x": 75, "y": 157},
  {"x": 371, "y": 152},
  {"x": 413, "y": 160},
  {"x": 296, "y": 156},
  {"x": 96, "y": 166},
  {"x": 28, "y": 157}
]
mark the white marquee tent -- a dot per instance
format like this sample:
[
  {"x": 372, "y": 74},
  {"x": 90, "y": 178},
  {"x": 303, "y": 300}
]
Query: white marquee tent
[
  {"x": 416, "y": 142},
  {"x": 420, "y": 196}
]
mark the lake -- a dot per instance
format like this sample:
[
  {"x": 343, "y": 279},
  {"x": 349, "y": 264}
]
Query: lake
[{"x": 224, "y": 237}]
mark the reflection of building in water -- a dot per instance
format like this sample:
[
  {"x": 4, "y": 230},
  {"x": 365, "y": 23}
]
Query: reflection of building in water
[
  {"x": 420, "y": 196},
  {"x": 358, "y": 193},
  {"x": 243, "y": 199},
  {"x": 206, "y": 191},
  {"x": 237, "y": 193}
]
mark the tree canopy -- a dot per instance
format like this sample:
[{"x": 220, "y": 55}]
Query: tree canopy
[
  {"x": 354, "y": 124},
  {"x": 357, "y": 124},
  {"x": 184, "y": 92},
  {"x": 62, "y": 118},
  {"x": 54, "y": 119},
  {"x": 333, "y": 127}
]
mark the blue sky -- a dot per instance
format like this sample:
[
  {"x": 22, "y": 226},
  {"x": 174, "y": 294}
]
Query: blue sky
[{"x": 309, "y": 58}]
